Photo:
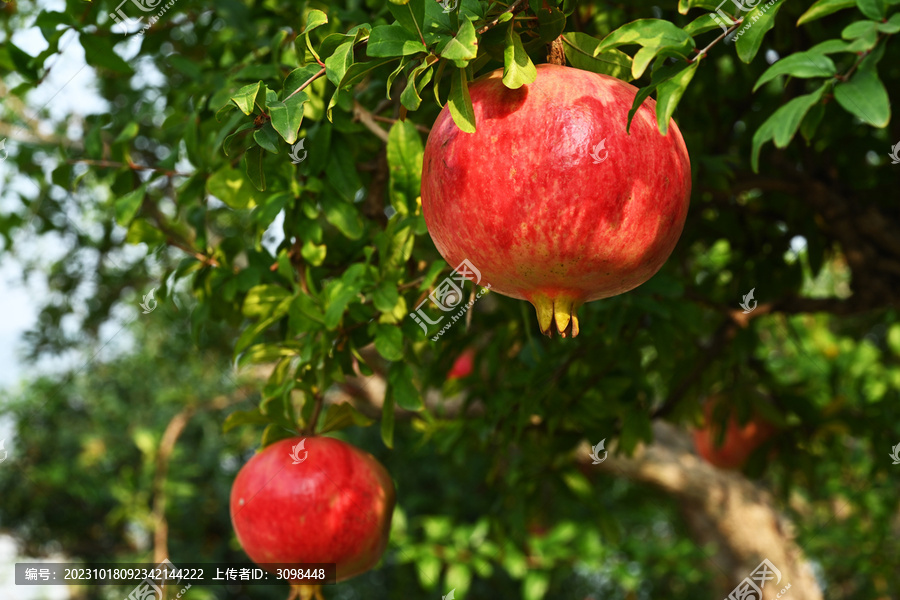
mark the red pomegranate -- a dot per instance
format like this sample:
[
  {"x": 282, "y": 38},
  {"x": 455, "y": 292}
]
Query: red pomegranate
[
  {"x": 738, "y": 443},
  {"x": 324, "y": 501},
  {"x": 463, "y": 365},
  {"x": 551, "y": 199}
]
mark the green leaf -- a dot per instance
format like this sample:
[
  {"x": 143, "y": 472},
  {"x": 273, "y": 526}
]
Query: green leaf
[
  {"x": 275, "y": 433},
  {"x": 313, "y": 253},
  {"x": 460, "y": 102},
  {"x": 669, "y": 93},
  {"x": 128, "y": 205},
  {"x": 387, "y": 421},
  {"x": 518, "y": 70},
  {"x": 700, "y": 25},
  {"x": 405, "y": 152},
  {"x": 865, "y": 32},
  {"x": 128, "y": 133},
  {"x": 315, "y": 18},
  {"x": 658, "y": 77},
  {"x": 757, "y": 23},
  {"x": 253, "y": 163},
  {"x": 337, "y": 64},
  {"x": 874, "y": 9},
  {"x": 551, "y": 23},
  {"x": 244, "y": 417},
  {"x": 287, "y": 116},
  {"x": 891, "y": 26},
  {"x": 535, "y": 585},
  {"x": 410, "y": 14},
  {"x": 783, "y": 123},
  {"x": 393, "y": 40},
  {"x": 386, "y": 296},
  {"x": 389, "y": 342},
  {"x": 400, "y": 381},
  {"x": 262, "y": 300},
  {"x": 245, "y": 98},
  {"x": 462, "y": 47},
  {"x": 341, "y": 416},
  {"x": 799, "y": 64},
  {"x": 865, "y": 97},
  {"x": 344, "y": 216},
  {"x": 266, "y": 137},
  {"x": 99, "y": 52},
  {"x": 232, "y": 187},
  {"x": 582, "y": 52},
  {"x": 459, "y": 578},
  {"x": 824, "y": 8},
  {"x": 656, "y": 36},
  {"x": 410, "y": 96},
  {"x": 685, "y": 5},
  {"x": 298, "y": 77}
]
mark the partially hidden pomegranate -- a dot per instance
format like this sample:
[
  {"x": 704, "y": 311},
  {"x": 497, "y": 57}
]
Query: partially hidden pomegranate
[
  {"x": 739, "y": 440},
  {"x": 551, "y": 199},
  {"x": 324, "y": 501},
  {"x": 463, "y": 365}
]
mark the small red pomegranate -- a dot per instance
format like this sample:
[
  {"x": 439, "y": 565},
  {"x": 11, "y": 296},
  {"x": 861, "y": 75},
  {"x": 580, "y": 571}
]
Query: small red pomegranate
[
  {"x": 738, "y": 443},
  {"x": 463, "y": 365},
  {"x": 324, "y": 501},
  {"x": 551, "y": 199}
]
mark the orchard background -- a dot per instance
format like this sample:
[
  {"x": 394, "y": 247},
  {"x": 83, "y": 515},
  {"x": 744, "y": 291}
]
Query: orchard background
[{"x": 282, "y": 290}]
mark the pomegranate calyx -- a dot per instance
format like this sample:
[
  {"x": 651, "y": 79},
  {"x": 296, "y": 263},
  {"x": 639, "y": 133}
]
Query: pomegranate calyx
[
  {"x": 557, "y": 315},
  {"x": 306, "y": 592}
]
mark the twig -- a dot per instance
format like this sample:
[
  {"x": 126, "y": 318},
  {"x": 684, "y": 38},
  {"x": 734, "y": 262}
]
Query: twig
[
  {"x": 513, "y": 8},
  {"x": 310, "y": 428},
  {"x": 305, "y": 84},
  {"x": 368, "y": 119},
  {"x": 421, "y": 128},
  {"x": 130, "y": 165},
  {"x": 701, "y": 53}
]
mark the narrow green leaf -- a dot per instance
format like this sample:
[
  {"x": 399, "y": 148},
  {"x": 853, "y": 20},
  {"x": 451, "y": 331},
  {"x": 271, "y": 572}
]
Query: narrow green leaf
[
  {"x": 262, "y": 300},
  {"x": 551, "y": 23},
  {"x": 344, "y": 216},
  {"x": 253, "y": 162},
  {"x": 404, "y": 154},
  {"x": 783, "y": 123},
  {"x": 669, "y": 93},
  {"x": 823, "y": 8},
  {"x": 128, "y": 205},
  {"x": 865, "y": 97},
  {"x": 799, "y": 64},
  {"x": 656, "y": 36},
  {"x": 685, "y": 5},
  {"x": 267, "y": 138},
  {"x": 583, "y": 52},
  {"x": 244, "y": 417},
  {"x": 460, "y": 102},
  {"x": 341, "y": 416},
  {"x": 387, "y": 421},
  {"x": 337, "y": 64},
  {"x": 756, "y": 25},
  {"x": 659, "y": 76}
]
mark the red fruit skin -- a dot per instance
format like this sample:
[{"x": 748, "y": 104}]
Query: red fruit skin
[
  {"x": 737, "y": 445},
  {"x": 334, "y": 507},
  {"x": 524, "y": 201},
  {"x": 463, "y": 365}
]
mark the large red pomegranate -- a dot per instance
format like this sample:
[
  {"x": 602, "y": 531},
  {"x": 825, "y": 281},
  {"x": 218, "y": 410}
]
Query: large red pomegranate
[
  {"x": 738, "y": 442},
  {"x": 325, "y": 502},
  {"x": 551, "y": 199}
]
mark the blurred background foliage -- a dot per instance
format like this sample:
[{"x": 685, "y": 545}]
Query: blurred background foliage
[{"x": 258, "y": 262}]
